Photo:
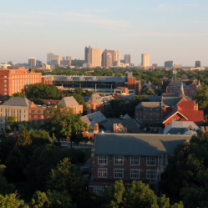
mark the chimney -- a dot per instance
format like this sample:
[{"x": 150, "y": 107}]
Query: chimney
[
  {"x": 202, "y": 129},
  {"x": 115, "y": 128},
  {"x": 199, "y": 83},
  {"x": 96, "y": 128}
]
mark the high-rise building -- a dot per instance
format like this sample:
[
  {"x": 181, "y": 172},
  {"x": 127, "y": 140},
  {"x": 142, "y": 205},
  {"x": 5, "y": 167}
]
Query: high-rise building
[
  {"x": 39, "y": 63},
  {"x": 11, "y": 63},
  {"x": 118, "y": 57},
  {"x": 197, "y": 63},
  {"x": 108, "y": 60},
  {"x": 145, "y": 60},
  {"x": 49, "y": 57},
  {"x": 68, "y": 58},
  {"x": 127, "y": 59},
  {"x": 104, "y": 57},
  {"x": 93, "y": 56},
  {"x": 32, "y": 61},
  {"x": 96, "y": 57},
  {"x": 168, "y": 64},
  {"x": 56, "y": 58}
]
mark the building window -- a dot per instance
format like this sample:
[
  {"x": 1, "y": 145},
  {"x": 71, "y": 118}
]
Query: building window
[
  {"x": 36, "y": 116},
  {"x": 36, "y": 122},
  {"x": 118, "y": 160},
  {"x": 30, "y": 111},
  {"x": 151, "y": 174},
  {"x": 98, "y": 190},
  {"x": 135, "y": 160},
  {"x": 42, "y": 122},
  {"x": 5, "y": 80},
  {"x": 102, "y": 172},
  {"x": 42, "y": 117},
  {"x": 192, "y": 91},
  {"x": 134, "y": 173},
  {"x": 164, "y": 161},
  {"x": 102, "y": 160},
  {"x": 118, "y": 173},
  {"x": 5, "y": 76},
  {"x": 5, "y": 89},
  {"x": 151, "y": 161}
]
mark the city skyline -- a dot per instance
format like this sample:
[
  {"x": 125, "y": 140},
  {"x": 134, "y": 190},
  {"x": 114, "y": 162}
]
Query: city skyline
[{"x": 41, "y": 27}]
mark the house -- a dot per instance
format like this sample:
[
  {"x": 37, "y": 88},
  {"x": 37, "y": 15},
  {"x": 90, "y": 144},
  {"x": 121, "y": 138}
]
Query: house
[
  {"x": 130, "y": 157},
  {"x": 94, "y": 118},
  {"x": 97, "y": 103},
  {"x": 181, "y": 127}
]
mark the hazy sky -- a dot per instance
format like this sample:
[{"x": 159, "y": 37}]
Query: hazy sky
[{"x": 168, "y": 30}]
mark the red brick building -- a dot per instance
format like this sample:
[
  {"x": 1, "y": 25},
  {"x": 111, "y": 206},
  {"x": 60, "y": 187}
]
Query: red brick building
[
  {"x": 130, "y": 157},
  {"x": 97, "y": 103},
  {"x": 15, "y": 79}
]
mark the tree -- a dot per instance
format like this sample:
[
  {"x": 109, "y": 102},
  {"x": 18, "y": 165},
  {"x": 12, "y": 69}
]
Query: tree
[
  {"x": 12, "y": 120},
  {"x": 5, "y": 187},
  {"x": 40, "y": 137},
  {"x": 24, "y": 139},
  {"x": 80, "y": 100},
  {"x": 18, "y": 94},
  {"x": 43, "y": 91},
  {"x": 186, "y": 176},
  {"x": 72, "y": 126},
  {"x": 137, "y": 194},
  {"x": 51, "y": 199},
  {"x": 66, "y": 179},
  {"x": 15, "y": 163},
  {"x": 12, "y": 201},
  {"x": 38, "y": 101},
  {"x": 43, "y": 159},
  {"x": 201, "y": 97}
]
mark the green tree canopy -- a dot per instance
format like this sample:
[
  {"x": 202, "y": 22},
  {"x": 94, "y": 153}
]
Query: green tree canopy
[
  {"x": 43, "y": 91},
  {"x": 186, "y": 176}
]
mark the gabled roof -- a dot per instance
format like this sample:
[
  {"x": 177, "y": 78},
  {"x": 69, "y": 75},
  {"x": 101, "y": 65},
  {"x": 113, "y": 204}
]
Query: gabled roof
[
  {"x": 68, "y": 101},
  {"x": 96, "y": 117},
  {"x": 86, "y": 120},
  {"x": 127, "y": 116},
  {"x": 179, "y": 126},
  {"x": 137, "y": 144},
  {"x": 96, "y": 98},
  {"x": 18, "y": 101},
  {"x": 171, "y": 99}
]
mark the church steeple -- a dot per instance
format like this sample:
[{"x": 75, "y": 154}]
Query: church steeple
[{"x": 181, "y": 94}]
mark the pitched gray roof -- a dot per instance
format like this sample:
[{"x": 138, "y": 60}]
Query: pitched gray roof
[
  {"x": 96, "y": 117},
  {"x": 149, "y": 105},
  {"x": 68, "y": 101},
  {"x": 127, "y": 116},
  {"x": 179, "y": 127},
  {"x": 96, "y": 98},
  {"x": 86, "y": 120},
  {"x": 18, "y": 101},
  {"x": 137, "y": 144},
  {"x": 171, "y": 99}
]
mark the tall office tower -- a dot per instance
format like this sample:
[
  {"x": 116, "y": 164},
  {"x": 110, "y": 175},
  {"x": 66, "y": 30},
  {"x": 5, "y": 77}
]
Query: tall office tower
[
  {"x": 108, "y": 60},
  {"x": 168, "y": 64},
  {"x": 11, "y": 63},
  {"x": 145, "y": 60},
  {"x": 63, "y": 58},
  {"x": 68, "y": 58},
  {"x": 32, "y": 61},
  {"x": 127, "y": 59},
  {"x": 39, "y": 63},
  {"x": 104, "y": 57},
  {"x": 118, "y": 57},
  {"x": 56, "y": 58},
  {"x": 88, "y": 55},
  {"x": 197, "y": 63},
  {"x": 49, "y": 57},
  {"x": 96, "y": 57}
]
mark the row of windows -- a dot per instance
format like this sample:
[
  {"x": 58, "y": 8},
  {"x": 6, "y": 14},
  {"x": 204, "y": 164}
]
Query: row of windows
[
  {"x": 13, "y": 111},
  {"x": 36, "y": 116},
  {"x": 36, "y": 111},
  {"x": 119, "y": 173},
  {"x": 119, "y": 160}
]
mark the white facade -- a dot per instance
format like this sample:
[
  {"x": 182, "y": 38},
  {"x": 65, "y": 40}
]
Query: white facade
[
  {"x": 96, "y": 57},
  {"x": 145, "y": 60},
  {"x": 32, "y": 61},
  {"x": 49, "y": 57}
]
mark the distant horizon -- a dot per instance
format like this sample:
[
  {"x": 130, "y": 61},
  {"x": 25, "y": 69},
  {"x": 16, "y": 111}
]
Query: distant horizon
[{"x": 160, "y": 28}]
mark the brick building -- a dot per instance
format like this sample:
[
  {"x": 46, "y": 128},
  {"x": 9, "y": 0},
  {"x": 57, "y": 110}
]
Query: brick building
[
  {"x": 130, "y": 157},
  {"x": 97, "y": 103},
  {"x": 16, "y": 79},
  {"x": 148, "y": 113},
  {"x": 174, "y": 86},
  {"x": 25, "y": 110}
]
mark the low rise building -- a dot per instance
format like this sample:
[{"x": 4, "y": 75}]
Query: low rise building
[{"x": 130, "y": 157}]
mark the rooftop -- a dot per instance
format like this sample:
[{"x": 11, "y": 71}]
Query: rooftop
[
  {"x": 18, "y": 101},
  {"x": 68, "y": 101},
  {"x": 137, "y": 144}
]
